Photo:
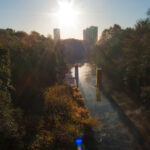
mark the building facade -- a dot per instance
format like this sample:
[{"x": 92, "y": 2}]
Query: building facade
[
  {"x": 56, "y": 34},
  {"x": 90, "y": 34}
]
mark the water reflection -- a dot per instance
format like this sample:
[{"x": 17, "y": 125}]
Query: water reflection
[
  {"x": 77, "y": 75},
  {"x": 98, "y": 95},
  {"x": 116, "y": 132}
]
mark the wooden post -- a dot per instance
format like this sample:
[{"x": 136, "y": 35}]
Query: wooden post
[
  {"x": 77, "y": 75},
  {"x": 99, "y": 77}
]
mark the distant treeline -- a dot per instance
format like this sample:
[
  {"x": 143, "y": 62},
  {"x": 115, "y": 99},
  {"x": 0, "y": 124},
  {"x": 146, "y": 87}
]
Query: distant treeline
[
  {"x": 124, "y": 55},
  {"x": 37, "y": 111},
  {"x": 74, "y": 50}
]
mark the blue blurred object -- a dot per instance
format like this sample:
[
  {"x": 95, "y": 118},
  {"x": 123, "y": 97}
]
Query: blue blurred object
[{"x": 79, "y": 141}]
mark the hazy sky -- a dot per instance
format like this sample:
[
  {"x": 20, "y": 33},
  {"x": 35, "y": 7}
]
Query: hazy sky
[{"x": 38, "y": 15}]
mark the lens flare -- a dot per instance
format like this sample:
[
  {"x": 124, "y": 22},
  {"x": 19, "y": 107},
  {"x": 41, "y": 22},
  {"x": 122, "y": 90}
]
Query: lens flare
[
  {"x": 79, "y": 143},
  {"x": 67, "y": 15}
]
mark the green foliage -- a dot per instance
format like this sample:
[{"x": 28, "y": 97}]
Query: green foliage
[
  {"x": 74, "y": 51},
  {"x": 37, "y": 111},
  {"x": 125, "y": 55},
  {"x": 145, "y": 94},
  {"x": 62, "y": 121},
  {"x": 28, "y": 65},
  {"x": 10, "y": 134},
  {"x": 36, "y": 63},
  {"x": 42, "y": 141}
]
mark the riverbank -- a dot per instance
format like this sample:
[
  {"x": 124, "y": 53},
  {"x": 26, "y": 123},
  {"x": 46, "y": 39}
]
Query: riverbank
[
  {"x": 137, "y": 113},
  {"x": 117, "y": 132},
  {"x": 92, "y": 123},
  {"x": 67, "y": 117}
]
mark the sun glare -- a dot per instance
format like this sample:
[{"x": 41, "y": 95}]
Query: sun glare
[{"x": 67, "y": 15}]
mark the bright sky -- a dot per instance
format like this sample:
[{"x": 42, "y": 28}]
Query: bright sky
[{"x": 44, "y": 15}]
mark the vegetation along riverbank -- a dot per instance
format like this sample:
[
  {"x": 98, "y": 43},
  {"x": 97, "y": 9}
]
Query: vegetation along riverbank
[
  {"x": 38, "y": 110},
  {"x": 123, "y": 55}
]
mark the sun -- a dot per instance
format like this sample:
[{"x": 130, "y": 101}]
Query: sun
[{"x": 67, "y": 15}]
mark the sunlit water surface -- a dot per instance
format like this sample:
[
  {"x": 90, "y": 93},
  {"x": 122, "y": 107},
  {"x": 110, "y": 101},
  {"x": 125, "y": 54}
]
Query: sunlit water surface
[{"x": 116, "y": 133}]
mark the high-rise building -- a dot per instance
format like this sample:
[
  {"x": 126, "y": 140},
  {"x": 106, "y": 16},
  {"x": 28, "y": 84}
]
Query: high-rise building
[
  {"x": 90, "y": 34},
  {"x": 56, "y": 34}
]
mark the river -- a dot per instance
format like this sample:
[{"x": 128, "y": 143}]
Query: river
[{"x": 117, "y": 133}]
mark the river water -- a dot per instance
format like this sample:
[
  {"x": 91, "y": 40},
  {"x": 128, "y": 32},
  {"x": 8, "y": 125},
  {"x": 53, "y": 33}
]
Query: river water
[{"x": 116, "y": 133}]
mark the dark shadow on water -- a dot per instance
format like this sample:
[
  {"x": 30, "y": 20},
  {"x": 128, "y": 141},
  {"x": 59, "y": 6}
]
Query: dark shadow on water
[
  {"x": 89, "y": 139},
  {"x": 98, "y": 95}
]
